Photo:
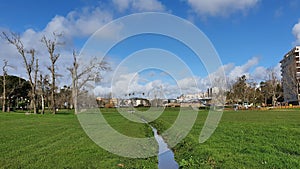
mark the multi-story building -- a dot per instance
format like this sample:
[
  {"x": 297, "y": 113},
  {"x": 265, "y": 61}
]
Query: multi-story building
[{"x": 290, "y": 71}]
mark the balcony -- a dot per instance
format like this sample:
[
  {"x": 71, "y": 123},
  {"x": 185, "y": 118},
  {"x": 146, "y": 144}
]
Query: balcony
[{"x": 298, "y": 74}]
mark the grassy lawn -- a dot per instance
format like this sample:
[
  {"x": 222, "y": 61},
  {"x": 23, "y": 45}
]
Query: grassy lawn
[
  {"x": 244, "y": 139},
  {"x": 58, "y": 141}
]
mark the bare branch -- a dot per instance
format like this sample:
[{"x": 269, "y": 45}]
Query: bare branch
[
  {"x": 15, "y": 40},
  {"x": 51, "y": 45},
  {"x": 82, "y": 74}
]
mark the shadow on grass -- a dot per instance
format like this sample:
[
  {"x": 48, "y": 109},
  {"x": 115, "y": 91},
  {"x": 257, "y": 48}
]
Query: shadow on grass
[
  {"x": 59, "y": 112},
  {"x": 64, "y": 113}
]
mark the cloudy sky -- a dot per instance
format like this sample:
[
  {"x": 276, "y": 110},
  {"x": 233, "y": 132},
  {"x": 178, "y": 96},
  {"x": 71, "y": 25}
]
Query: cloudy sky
[{"x": 249, "y": 37}]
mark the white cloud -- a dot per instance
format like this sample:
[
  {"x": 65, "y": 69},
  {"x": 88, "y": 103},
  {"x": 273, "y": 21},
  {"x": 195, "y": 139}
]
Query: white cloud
[
  {"x": 243, "y": 69},
  {"x": 79, "y": 23},
  {"x": 220, "y": 7},
  {"x": 260, "y": 73},
  {"x": 130, "y": 82},
  {"x": 121, "y": 5},
  {"x": 190, "y": 84},
  {"x": 296, "y": 33},
  {"x": 76, "y": 24},
  {"x": 138, "y": 5},
  {"x": 150, "y": 5},
  {"x": 126, "y": 83},
  {"x": 7, "y": 52},
  {"x": 134, "y": 82}
]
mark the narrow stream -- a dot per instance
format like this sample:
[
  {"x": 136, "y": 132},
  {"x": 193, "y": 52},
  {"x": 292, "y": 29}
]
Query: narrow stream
[
  {"x": 166, "y": 158},
  {"x": 165, "y": 155}
]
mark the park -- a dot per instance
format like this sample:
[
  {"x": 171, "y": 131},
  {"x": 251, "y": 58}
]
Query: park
[
  {"x": 150, "y": 84},
  {"x": 243, "y": 139}
]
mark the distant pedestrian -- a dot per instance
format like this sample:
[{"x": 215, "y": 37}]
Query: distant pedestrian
[{"x": 235, "y": 107}]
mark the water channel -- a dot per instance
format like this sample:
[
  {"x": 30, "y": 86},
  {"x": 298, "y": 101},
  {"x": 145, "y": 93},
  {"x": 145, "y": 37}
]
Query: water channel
[
  {"x": 165, "y": 155},
  {"x": 166, "y": 158}
]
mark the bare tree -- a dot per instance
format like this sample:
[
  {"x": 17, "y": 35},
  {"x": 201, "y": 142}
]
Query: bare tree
[
  {"x": 30, "y": 67},
  {"x": 35, "y": 100},
  {"x": 51, "y": 45},
  {"x": 42, "y": 92},
  {"x": 7, "y": 93},
  {"x": 274, "y": 85},
  {"x": 84, "y": 73}
]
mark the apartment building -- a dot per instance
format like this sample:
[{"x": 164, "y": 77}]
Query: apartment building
[{"x": 290, "y": 72}]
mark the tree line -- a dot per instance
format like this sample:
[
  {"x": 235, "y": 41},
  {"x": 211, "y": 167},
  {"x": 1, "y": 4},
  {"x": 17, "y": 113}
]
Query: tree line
[
  {"x": 266, "y": 92},
  {"x": 42, "y": 88}
]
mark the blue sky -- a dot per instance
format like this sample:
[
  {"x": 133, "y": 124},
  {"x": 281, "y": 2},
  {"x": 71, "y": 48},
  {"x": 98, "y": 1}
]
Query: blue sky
[
  {"x": 264, "y": 30},
  {"x": 249, "y": 35}
]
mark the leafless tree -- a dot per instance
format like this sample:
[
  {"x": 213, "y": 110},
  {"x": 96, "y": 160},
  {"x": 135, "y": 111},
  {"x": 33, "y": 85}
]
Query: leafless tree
[
  {"x": 219, "y": 86},
  {"x": 30, "y": 67},
  {"x": 84, "y": 73},
  {"x": 274, "y": 85},
  {"x": 51, "y": 45},
  {"x": 42, "y": 92}
]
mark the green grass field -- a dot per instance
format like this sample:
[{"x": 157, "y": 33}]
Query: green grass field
[
  {"x": 243, "y": 139},
  {"x": 58, "y": 141}
]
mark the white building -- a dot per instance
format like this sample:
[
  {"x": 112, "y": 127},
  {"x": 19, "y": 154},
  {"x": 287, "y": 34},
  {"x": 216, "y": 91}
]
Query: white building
[
  {"x": 190, "y": 97},
  {"x": 290, "y": 71}
]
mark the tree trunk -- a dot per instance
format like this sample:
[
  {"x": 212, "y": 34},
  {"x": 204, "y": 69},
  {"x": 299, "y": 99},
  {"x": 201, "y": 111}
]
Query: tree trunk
[
  {"x": 75, "y": 90},
  {"x": 274, "y": 99},
  {"x": 43, "y": 105},
  {"x": 87, "y": 74},
  {"x": 51, "y": 46},
  {"x": 53, "y": 100},
  {"x": 8, "y": 106},
  {"x": 33, "y": 100},
  {"x": 4, "y": 90},
  {"x": 75, "y": 100},
  {"x": 29, "y": 63},
  {"x": 4, "y": 104}
]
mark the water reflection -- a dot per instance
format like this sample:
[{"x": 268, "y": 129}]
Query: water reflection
[{"x": 165, "y": 155}]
